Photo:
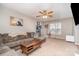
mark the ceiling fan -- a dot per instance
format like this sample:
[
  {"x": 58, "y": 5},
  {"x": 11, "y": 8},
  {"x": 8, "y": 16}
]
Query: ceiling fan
[{"x": 45, "y": 14}]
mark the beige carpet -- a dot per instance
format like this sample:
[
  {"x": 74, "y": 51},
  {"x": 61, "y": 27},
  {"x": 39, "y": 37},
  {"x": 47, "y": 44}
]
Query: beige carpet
[{"x": 54, "y": 47}]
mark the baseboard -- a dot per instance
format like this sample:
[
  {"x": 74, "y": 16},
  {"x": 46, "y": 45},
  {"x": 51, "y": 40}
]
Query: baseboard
[
  {"x": 70, "y": 41},
  {"x": 76, "y": 43},
  {"x": 57, "y": 38}
]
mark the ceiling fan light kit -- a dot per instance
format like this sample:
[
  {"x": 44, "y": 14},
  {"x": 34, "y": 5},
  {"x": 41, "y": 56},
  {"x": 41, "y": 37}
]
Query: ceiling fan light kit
[{"x": 45, "y": 16}]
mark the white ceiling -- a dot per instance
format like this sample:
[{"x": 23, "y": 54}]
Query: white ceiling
[{"x": 61, "y": 10}]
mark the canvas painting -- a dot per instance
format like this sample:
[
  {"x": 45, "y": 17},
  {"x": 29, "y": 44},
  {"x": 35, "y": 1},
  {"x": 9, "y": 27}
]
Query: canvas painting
[{"x": 14, "y": 21}]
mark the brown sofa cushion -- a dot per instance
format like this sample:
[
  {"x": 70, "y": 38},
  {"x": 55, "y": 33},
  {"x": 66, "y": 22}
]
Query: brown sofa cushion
[
  {"x": 18, "y": 37},
  {"x": 1, "y": 39},
  {"x": 8, "y": 39},
  {"x": 5, "y": 38}
]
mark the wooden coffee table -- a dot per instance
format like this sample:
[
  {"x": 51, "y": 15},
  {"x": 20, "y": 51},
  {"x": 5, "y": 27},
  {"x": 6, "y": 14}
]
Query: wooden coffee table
[{"x": 29, "y": 46}]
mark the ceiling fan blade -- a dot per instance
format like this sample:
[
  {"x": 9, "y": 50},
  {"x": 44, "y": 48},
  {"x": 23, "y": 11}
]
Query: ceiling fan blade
[
  {"x": 50, "y": 15},
  {"x": 41, "y": 12},
  {"x": 39, "y": 15},
  {"x": 50, "y": 12},
  {"x": 44, "y": 11}
]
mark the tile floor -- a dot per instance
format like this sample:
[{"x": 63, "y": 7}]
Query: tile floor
[{"x": 54, "y": 47}]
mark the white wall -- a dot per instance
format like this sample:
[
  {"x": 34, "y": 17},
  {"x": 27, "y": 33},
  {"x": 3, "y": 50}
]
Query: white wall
[
  {"x": 67, "y": 27},
  {"x": 77, "y": 35},
  {"x": 5, "y": 27}
]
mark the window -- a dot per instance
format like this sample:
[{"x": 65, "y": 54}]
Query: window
[{"x": 55, "y": 28}]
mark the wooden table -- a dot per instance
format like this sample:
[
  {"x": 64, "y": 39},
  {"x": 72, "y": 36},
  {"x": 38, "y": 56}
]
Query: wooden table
[{"x": 29, "y": 46}]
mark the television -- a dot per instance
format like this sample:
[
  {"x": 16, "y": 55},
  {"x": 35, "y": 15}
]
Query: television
[{"x": 75, "y": 12}]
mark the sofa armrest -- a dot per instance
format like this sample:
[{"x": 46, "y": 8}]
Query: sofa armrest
[
  {"x": 10, "y": 53},
  {"x": 4, "y": 49}
]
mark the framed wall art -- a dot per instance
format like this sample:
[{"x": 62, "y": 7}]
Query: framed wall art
[{"x": 14, "y": 21}]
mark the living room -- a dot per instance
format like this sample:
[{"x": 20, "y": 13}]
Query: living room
[{"x": 46, "y": 25}]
